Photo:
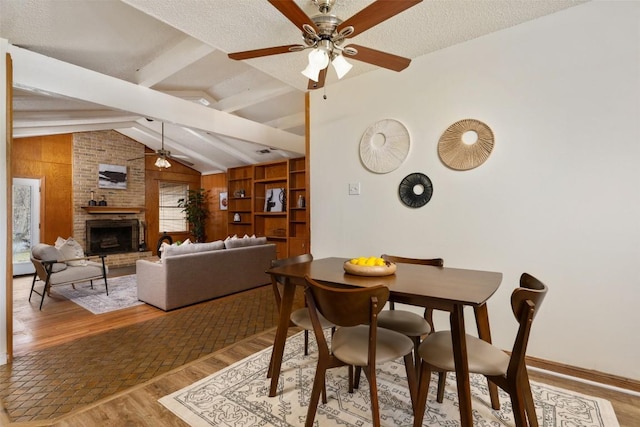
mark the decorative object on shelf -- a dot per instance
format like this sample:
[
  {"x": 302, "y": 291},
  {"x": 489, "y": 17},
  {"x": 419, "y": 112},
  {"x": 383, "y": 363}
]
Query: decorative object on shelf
[
  {"x": 236, "y": 217},
  {"x": 301, "y": 201},
  {"x": 92, "y": 201},
  {"x": 415, "y": 190},
  {"x": 384, "y": 146},
  {"x": 224, "y": 201},
  {"x": 103, "y": 201},
  {"x": 466, "y": 144},
  {"x": 275, "y": 200},
  {"x": 196, "y": 206},
  {"x": 239, "y": 193},
  {"x": 112, "y": 176}
]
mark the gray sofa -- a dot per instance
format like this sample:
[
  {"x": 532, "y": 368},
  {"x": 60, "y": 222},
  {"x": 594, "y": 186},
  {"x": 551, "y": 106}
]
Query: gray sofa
[{"x": 196, "y": 272}]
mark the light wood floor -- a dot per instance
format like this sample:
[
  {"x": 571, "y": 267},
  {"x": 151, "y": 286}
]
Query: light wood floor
[{"x": 139, "y": 407}]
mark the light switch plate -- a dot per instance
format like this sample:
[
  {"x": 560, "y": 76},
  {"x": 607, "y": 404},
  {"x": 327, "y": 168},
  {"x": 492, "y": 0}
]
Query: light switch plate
[{"x": 354, "y": 188}]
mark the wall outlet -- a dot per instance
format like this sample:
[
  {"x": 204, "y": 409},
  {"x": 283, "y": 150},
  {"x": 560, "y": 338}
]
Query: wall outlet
[{"x": 354, "y": 188}]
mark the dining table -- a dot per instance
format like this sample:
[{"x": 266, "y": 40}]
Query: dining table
[{"x": 441, "y": 288}]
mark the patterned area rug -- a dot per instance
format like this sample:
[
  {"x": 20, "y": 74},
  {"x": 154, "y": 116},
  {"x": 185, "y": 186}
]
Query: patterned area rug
[
  {"x": 123, "y": 293},
  {"x": 239, "y": 396}
]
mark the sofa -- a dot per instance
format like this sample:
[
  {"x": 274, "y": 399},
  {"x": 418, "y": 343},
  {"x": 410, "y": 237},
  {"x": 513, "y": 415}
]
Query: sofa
[{"x": 196, "y": 272}]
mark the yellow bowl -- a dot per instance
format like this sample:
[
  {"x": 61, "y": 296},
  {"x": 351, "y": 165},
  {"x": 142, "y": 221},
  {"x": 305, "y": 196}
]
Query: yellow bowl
[{"x": 374, "y": 270}]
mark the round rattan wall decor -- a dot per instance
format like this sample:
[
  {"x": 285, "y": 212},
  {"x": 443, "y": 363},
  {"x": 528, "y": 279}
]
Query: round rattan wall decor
[
  {"x": 384, "y": 146},
  {"x": 415, "y": 190},
  {"x": 458, "y": 152}
]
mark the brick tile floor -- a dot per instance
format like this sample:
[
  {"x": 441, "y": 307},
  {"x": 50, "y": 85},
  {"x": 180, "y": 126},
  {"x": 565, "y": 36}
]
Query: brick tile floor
[{"x": 49, "y": 383}]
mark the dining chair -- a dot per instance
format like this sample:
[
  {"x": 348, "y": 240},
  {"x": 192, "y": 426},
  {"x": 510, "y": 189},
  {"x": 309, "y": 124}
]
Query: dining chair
[
  {"x": 509, "y": 372},
  {"x": 357, "y": 340},
  {"x": 299, "y": 317},
  {"x": 409, "y": 323}
]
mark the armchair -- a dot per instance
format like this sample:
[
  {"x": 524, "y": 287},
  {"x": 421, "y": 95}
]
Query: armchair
[{"x": 52, "y": 269}]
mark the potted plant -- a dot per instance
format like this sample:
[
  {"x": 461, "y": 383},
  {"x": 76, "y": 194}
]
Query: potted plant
[{"x": 196, "y": 208}]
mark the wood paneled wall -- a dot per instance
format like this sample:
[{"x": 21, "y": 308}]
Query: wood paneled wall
[
  {"x": 217, "y": 223},
  {"x": 48, "y": 158}
]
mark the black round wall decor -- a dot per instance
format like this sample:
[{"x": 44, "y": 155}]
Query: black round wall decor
[{"x": 415, "y": 190}]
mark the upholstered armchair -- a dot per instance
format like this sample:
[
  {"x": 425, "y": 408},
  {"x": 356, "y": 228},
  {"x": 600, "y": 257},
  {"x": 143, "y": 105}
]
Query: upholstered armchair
[{"x": 53, "y": 268}]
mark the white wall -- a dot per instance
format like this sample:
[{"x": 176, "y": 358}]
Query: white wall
[{"x": 559, "y": 197}]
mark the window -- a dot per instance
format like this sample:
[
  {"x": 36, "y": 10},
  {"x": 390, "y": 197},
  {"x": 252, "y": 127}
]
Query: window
[{"x": 171, "y": 216}]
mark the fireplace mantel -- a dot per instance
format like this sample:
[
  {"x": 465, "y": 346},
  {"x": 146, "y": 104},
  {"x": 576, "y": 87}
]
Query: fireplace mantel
[{"x": 111, "y": 210}]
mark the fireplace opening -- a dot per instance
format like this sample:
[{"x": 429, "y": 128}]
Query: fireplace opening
[{"x": 112, "y": 236}]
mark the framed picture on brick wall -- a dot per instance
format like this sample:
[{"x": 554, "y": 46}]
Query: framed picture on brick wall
[{"x": 112, "y": 176}]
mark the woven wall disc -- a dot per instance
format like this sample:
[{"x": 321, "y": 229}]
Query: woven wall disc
[
  {"x": 457, "y": 154},
  {"x": 384, "y": 146}
]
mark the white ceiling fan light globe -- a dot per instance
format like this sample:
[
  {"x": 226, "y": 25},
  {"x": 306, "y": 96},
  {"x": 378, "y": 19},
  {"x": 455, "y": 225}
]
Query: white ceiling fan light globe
[
  {"x": 161, "y": 162},
  {"x": 311, "y": 72},
  {"x": 341, "y": 66},
  {"x": 318, "y": 60}
]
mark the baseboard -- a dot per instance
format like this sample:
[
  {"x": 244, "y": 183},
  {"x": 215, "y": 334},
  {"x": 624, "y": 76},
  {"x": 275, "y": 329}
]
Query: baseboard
[{"x": 595, "y": 377}]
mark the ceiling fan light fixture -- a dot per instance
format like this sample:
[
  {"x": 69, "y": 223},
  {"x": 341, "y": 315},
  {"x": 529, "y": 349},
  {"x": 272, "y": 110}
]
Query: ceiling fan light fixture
[
  {"x": 162, "y": 163},
  {"x": 341, "y": 66},
  {"x": 318, "y": 60}
]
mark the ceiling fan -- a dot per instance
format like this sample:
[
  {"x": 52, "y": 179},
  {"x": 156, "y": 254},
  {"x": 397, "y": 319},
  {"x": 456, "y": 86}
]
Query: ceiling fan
[
  {"x": 325, "y": 34},
  {"x": 163, "y": 156}
]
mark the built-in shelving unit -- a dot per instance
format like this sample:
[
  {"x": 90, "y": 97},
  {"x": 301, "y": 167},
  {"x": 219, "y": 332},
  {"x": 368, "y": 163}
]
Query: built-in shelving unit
[
  {"x": 240, "y": 210},
  {"x": 271, "y": 205}
]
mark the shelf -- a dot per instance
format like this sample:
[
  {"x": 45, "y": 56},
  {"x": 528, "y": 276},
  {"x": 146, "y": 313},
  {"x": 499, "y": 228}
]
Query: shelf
[{"x": 103, "y": 210}]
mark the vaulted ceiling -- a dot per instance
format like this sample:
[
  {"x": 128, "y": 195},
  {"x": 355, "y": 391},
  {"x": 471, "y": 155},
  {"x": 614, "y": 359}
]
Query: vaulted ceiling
[{"x": 129, "y": 65}]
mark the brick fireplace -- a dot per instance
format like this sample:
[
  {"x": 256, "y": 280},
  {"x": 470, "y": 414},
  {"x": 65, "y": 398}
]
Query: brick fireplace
[{"x": 90, "y": 149}]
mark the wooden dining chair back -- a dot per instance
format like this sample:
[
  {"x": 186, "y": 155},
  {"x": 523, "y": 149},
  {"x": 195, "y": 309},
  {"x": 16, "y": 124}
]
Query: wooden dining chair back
[
  {"x": 509, "y": 372},
  {"x": 357, "y": 341},
  {"x": 299, "y": 317},
  {"x": 407, "y": 322},
  {"x": 436, "y": 262}
]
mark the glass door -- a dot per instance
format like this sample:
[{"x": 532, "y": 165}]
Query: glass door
[{"x": 26, "y": 223}]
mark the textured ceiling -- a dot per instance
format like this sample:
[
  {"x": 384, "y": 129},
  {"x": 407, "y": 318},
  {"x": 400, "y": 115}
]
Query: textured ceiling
[{"x": 180, "y": 48}]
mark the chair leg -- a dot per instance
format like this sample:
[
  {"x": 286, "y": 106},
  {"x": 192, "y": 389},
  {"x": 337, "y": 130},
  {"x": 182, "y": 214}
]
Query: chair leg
[
  {"x": 416, "y": 354},
  {"x": 411, "y": 378},
  {"x": 33, "y": 284},
  {"x": 370, "y": 372},
  {"x": 518, "y": 404},
  {"x": 356, "y": 379},
  {"x": 442, "y": 382},
  {"x": 421, "y": 398},
  {"x": 528, "y": 399},
  {"x": 306, "y": 342},
  {"x": 318, "y": 386}
]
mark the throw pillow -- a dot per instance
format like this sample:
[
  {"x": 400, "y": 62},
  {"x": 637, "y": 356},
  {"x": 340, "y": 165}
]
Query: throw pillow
[
  {"x": 247, "y": 241},
  {"x": 71, "y": 249},
  {"x": 46, "y": 252}
]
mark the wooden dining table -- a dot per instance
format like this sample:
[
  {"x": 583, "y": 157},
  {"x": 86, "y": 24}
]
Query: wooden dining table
[{"x": 442, "y": 288}]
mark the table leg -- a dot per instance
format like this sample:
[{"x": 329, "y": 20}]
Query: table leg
[
  {"x": 459, "y": 342},
  {"x": 281, "y": 335},
  {"x": 484, "y": 332}
]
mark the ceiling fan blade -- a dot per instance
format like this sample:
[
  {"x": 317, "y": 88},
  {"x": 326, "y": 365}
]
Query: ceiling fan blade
[
  {"x": 375, "y": 13},
  {"x": 321, "y": 79},
  {"x": 293, "y": 12},
  {"x": 379, "y": 58},
  {"x": 256, "y": 53}
]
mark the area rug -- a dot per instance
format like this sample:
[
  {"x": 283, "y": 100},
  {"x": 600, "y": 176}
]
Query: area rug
[
  {"x": 123, "y": 293},
  {"x": 239, "y": 396}
]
